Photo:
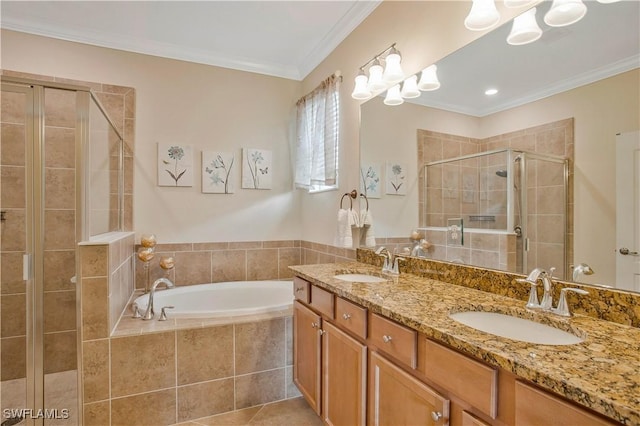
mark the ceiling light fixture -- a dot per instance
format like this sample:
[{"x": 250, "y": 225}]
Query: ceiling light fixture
[
  {"x": 525, "y": 29},
  {"x": 491, "y": 92},
  {"x": 482, "y": 16},
  {"x": 565, "y": 12}
]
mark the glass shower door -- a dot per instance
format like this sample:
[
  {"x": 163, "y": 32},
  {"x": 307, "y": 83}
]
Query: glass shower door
[{"x": 16, "y": 291}]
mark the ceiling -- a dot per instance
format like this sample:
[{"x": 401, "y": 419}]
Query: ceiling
[{"x": 281, "y": 38}]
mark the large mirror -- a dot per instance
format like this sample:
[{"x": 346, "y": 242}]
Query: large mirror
[{"x": 567, "y": 95}]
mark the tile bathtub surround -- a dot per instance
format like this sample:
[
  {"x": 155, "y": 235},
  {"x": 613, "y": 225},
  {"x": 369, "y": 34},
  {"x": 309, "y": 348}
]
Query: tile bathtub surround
[
  {"x": 199, "y": 263},
  {"x": 608, "y": 304}
]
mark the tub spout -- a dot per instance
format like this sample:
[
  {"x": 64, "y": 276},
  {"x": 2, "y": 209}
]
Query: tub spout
[{"x": 148, "y": 314}]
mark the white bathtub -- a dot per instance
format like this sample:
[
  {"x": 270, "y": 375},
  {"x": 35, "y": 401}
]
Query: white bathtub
[{"x": 226, "y": 299}]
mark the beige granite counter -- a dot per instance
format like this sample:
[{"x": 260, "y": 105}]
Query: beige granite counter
[{"x": 602, "y": 372}]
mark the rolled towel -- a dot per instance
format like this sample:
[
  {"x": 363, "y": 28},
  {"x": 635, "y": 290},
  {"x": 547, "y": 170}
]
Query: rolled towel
[{"x": 343, "y": 231}]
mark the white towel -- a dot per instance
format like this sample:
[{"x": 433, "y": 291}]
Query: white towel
[
  {"x": 343, "y": 231},
  {"x": 367, "y": 237}
]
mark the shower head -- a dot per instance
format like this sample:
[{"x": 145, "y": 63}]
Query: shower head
[{"x": 502, "y": 173}]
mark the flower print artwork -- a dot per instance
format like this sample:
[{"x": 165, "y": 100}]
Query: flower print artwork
[
  {"x": 218, "y": 172},
  {"x": 256, "y": 168},
  {"x": 370, "y": 180},
  {"x": 396, "y": 178},
  {"x": 175, "y": 165}
]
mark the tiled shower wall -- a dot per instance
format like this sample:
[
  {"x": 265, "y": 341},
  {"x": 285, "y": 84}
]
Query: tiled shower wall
[{"x": 545, "y": 212}]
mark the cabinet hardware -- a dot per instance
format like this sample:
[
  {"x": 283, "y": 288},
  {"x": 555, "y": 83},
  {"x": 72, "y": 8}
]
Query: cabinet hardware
[
  {"x": 436, "y": 415},
  {"x": 314, "y": 325},
  {"x": 321, "y": 332},
  {"x": 346, "y": 316},
  {"x": 386, "y": 339},
  {"x": 299, "y": 289}
]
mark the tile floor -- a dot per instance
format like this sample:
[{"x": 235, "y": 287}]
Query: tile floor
[{"x": 291, "y": 412}]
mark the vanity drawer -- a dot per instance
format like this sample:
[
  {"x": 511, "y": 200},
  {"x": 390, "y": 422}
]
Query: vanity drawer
[
  {"x": 351, "y": 317},
  {"x": 394, "y": 339},
  {"x": 322, "y": 301},
  {"x": 536, "y": 407},
  {"x": 301, "y": 290},
  {"x": 471, "y": 380}
]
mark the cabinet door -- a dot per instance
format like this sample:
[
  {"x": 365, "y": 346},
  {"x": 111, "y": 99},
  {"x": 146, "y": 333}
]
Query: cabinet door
[
  {"x": 344, "y": 377},
  {"x": 396, "y": 398},
  {"x": 306, "y": 353}
]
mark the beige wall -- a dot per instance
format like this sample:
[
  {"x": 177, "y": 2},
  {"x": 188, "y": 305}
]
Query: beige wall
[{"x": 208, "y": 107}]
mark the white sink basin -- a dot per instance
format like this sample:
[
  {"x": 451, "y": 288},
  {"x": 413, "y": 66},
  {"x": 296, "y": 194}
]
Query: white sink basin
[
  {"x": 515, "y": 328},
  {"x": 360, "y": 278}
]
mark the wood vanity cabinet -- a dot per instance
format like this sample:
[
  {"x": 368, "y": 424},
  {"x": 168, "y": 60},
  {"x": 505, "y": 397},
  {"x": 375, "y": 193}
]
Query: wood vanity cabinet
[
  {"x": 306, "y": 353},
  {"x": 397, "y": 398}
]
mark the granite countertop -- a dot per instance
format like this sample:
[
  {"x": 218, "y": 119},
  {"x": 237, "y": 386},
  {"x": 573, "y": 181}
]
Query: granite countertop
[{"x": 602, "y": 372}]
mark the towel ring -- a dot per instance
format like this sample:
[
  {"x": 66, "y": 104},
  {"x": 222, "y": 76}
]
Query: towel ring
[
  {"x": 366, "y": 199},
  {"x": 353, "y": 194}
]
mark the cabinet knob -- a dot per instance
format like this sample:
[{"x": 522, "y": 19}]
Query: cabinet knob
[
  {"x": 299, "y": 289},
  {"x": 436, "y": 415},
  {"x": 314, "y": 325},
  {"x": 346, "y": 316},
  {"x": 321, "y": 332},
  {"x": 386, "y": 339}
]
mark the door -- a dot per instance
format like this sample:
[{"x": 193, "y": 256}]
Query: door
[
  {"x": 306, "y": 353},
  {"x": 396, "y": 398},
  {"x": 628, "y": 211},
  {"x": 344, "y": 378}
]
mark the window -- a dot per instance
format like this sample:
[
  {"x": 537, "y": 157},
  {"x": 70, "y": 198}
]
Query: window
[{"x": 318, "y": 134}]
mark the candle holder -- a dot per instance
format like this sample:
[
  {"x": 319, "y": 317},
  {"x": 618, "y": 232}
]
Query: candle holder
[
  {"x": 167, "y": 263},
  {"x": 145, "y": 254}
]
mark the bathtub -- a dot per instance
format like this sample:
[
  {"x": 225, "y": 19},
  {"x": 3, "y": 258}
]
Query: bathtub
[{"x": 225, "y": 299}]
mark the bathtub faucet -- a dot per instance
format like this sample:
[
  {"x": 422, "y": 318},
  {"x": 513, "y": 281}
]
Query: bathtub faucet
[{"x": 148, "y": 314}]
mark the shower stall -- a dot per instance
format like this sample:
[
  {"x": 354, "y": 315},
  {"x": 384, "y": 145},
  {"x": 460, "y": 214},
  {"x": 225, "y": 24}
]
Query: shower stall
[
  {"x": 511, "y": 205},
  {"x": 61, "y": 181}
]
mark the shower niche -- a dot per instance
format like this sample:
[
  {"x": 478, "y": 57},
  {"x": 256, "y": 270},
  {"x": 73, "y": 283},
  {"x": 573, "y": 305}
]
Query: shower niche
[{"x": 511, "y": 204}]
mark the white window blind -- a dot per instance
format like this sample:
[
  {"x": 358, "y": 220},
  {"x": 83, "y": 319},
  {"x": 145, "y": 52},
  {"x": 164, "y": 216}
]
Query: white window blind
[{"x": 318, "y": 134}]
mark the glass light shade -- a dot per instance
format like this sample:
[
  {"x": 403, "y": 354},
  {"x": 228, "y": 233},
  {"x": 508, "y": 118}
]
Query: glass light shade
[
  {"x": 525, "y": 29},
  {"x": 483, "y": 15},
  {"x": 393, "y": 71},
  {"x": 429, "y": 79},
  {"x": 565, "y": 12},
  {"x": 518, "y": 3},
  {"x": 375, "y": 77},
  {"x": 410, "y": 88},
  {"x": 361, "y": 91},
  {"x": 393, "y": 96},
  {"x": 608, "y": 1}
]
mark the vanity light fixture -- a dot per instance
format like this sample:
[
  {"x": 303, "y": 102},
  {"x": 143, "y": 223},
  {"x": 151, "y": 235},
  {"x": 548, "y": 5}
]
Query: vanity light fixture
[
  {"x": 525, "y": 29},
  {"x": 429, "y": 79},
  {"x": 393, "y": 71},
  {"x": 410, "y": 88},
  {"x": 482, "y": 16},
  {"x": 375, "y": 76},
  {"x": 393, "y": 96},
  {"x": 565, "y": 12},
  {"x": 608, "y": 1},
  {"x": 361, "y": 91}
]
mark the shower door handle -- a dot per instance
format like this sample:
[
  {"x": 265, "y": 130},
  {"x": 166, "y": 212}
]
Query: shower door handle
[{"x": 26, "y": 267}]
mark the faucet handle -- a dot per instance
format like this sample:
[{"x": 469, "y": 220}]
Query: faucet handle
[
  {"x": 532, "y": 303},
  {"x": 563, "y": 306},
  {"x": 396, "y": 264},
  {"x": 163, "y": 314}
]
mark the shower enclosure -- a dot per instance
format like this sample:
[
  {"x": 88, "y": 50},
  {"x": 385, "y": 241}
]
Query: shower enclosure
[
  {"x": 512, "y": 205},
  {"x": 61, "y": 182}
]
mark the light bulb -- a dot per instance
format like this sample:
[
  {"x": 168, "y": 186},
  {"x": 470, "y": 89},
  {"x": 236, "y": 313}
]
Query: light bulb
[
  {"x": 429, "y": 79},
  {"x": 410, "y": 88},
  {"x": 525, "y": 29},
  {"x": 565, "y": 12},
  {"x": 482, "y": 16},
  {"x": 375, "y": 77},
  {"x": 393, "y": 71},
  {"x": 393, "y": 96},
  {"x": 361, "y": 91}
]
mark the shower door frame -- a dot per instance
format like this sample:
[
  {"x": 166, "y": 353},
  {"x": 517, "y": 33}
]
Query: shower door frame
[{"x": 35, "y": 222}]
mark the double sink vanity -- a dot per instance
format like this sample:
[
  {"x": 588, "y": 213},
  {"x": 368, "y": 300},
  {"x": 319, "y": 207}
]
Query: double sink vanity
[{"x": 380, "y": 349}]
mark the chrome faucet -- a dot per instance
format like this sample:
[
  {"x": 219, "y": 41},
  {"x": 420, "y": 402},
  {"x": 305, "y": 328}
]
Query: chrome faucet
[
  {"x": 148, "y": 314},
  {"x": 387, "y": 266},
  {"x": 547, "y": 299},
  {"x": 547, "y": 284}
]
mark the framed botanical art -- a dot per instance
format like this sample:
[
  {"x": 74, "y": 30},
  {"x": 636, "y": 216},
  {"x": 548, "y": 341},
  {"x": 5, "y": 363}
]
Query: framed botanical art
[
  {"x": 175, "y": 165},
  {"x": 396, "y": 178},
  {"x": 218, "y": 172},
  {"x": 256, "y": 168},
  {"x": 370, "y": 180}
]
